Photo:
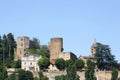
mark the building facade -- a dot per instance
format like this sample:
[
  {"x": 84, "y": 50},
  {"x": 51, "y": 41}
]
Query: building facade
[
  {"x": 23, "y": 43},
  {"x": 29, "y": 62},
  {"x": 67, "y": 56}
]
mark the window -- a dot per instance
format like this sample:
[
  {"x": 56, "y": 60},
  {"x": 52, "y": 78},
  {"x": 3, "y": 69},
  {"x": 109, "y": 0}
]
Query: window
[
  {"x": 21, "y": 44},
  {"x": 21, "y": 39}
]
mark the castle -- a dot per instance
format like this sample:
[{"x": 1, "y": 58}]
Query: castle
[{"x": 23, "y": 43}]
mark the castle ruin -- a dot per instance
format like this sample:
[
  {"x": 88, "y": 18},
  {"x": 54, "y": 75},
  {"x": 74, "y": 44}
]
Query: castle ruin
[{"x": 23, "y": 43}]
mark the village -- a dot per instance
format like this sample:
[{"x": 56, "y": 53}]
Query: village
[{"x": 29, "y": 62}]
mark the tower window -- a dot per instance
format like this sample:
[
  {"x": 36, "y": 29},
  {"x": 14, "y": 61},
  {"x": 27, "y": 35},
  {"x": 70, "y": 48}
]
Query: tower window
[
  {"x": 21, "y": 44},
  {"x": 21, "y": 39}
]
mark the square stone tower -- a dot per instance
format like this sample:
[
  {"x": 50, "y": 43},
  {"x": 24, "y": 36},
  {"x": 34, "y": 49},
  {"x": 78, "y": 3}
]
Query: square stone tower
[
  {"x": 55, "y": 47},
  {"x": 23, "y": 43}
]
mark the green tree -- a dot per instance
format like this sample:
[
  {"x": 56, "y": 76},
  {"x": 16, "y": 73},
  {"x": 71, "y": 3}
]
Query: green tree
[
  {"x": 25, "y": 75},
  {"x": 62, "y": 77},
  {"x": 35, "y": 43},
  {"x": 71, "y": 72},
  {"x": 89, "y": 72},
  {"x": 3, "y": 73},
  {"x": 79, "y": 64},
  {"x": 42, "y": 77},
  {"x": 43, "y": 51},
  {"x": 60, "y": 63},
  {"x": 43, "y": 63},
  {"x": 11, "y": 44},
  {"x": 17, "y": 64},
  {"x": 12, "y": 76},
  {"x": 104, "y": 58},
  {"x": 114, "y": 74},
  {"x": 68, "y": 62}
]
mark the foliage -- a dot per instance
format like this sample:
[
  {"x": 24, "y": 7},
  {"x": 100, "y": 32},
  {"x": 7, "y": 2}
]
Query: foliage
[
  {"x": 104, "y": 58},
  {"x": 62, "y": 77},
  {"x": 114, "y": 74},
  {"x": 68, "y": 62},
  {"x": 71, "y": 72},
  {"x": 25, "y": 75},
  {"x": 34, "y": 43},
  {"x": 42, "y": 77},
  {"x": 79, "y": 64},
  {"x": 3, "y": 73},
  {"x": 43, "y": 51},
  {"x": 7, "y": 45},
  {"x": 17, "y": 64},
  {"x": 60, "y": 63},
  {"x": 43, "y": 63},
  {"x": 89, "y": 72},
  {"x": 36, "y": 78},
  {"x": 12, "y": 76}
]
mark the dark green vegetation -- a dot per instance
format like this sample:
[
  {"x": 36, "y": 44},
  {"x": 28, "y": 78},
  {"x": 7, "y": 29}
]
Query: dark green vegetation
[
  {"x": 60, "y": 63},
  {"x": 79, "y": 64},
  {"x": 89, "y": 72},
  {"x": 7, "y": 45},
  {"x": 3, "y": 73},
  {"x": 104, "y": 59},
  {"x": 71, "y": 74},
  {"x": 21, "y": 75},
  {"x": 114, "y": 74},
  {"x": 43, "y": 63}
]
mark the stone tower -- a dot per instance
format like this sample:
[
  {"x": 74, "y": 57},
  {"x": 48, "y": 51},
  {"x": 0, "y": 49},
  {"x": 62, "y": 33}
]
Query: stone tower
[
  {"x": 55, "y": 47},
  {"x": 93, "y": 48},
  {"x": 23, "y": 43}
]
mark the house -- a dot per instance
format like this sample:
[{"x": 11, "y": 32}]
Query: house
[{"x": 29, "y": 62}]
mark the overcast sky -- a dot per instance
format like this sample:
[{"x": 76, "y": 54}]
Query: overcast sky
[{"x": 78, "y": 22}]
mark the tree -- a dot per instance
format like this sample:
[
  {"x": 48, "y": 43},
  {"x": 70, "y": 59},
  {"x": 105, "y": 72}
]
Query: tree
[
  {"x": 35, "y": 43},
  {"x": 43, "y": 63},
  {"x": 43, "y": 51},
  {"x": 104, "y": 58},
  {"x": 79, "y": 64},
  {"x": 68, "y": 62},
  {"x": 24, "y": 75},
  {"x": 89, "y": 72},
  {"x": 3, "y": 73},
  {"x": 71, "y": 72},
  {"x": 11, "y": 45},
  {"x": 60, "y": 63},
  {"x": 62, "y": 77},
  {"x": 12, "y": 76},
  {"x": 17, "y": 64},
  {"x": 42, "y": 77},
  {"x": 114, "y": 74}
]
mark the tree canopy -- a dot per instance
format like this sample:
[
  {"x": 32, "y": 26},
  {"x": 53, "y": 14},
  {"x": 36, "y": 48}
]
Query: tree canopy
[
  {"x": 104, "y": 58},
  {"x": 60, "y": 63},
  {"x": 89, "y": 72},
  {"x": 79, "y": 64},
  {"x": 3, "y": 73},
  {"x": 43, "y": 63}
]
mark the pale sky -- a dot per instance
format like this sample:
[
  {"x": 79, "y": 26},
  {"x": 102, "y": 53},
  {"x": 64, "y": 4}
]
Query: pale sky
[{"x": 78, "y": 22}]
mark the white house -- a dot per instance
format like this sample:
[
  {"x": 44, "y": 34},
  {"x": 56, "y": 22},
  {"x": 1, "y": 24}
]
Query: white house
[{"x": 29, "y": 62}]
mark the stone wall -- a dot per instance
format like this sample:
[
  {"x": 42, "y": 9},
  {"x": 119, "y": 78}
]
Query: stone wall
[{"x": 101, "y": 75}]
